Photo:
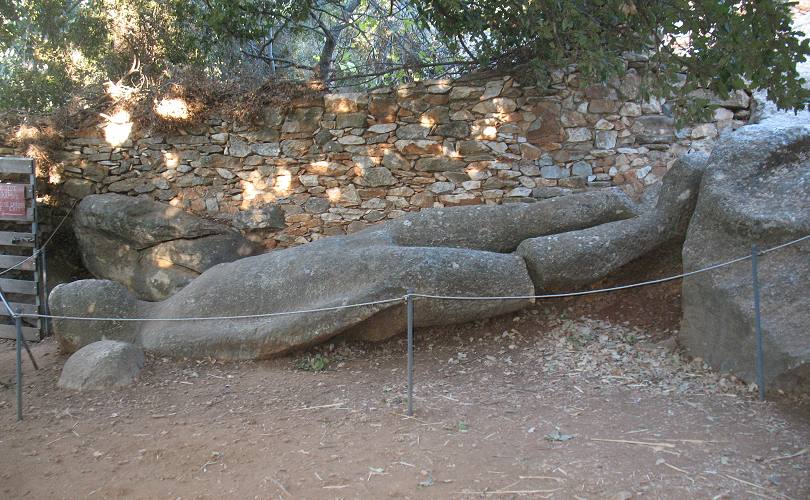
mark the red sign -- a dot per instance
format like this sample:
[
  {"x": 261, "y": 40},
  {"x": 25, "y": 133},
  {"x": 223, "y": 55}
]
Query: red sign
[{"x": 12, "y": 200}]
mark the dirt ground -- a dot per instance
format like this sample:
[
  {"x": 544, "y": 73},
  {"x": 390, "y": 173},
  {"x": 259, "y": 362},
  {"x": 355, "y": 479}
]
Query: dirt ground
[{"x": 569, "y": 399}]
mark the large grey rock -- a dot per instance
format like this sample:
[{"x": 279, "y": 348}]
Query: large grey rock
[
  {"x": 152, "y": 248},
  {"x": 106, "y": 364},
  {"x": 563, "y": 261},
  {"x": 756, "y": 190},
  {"x": 501, "y": 228},
  {"x": 449, "y": 252}
]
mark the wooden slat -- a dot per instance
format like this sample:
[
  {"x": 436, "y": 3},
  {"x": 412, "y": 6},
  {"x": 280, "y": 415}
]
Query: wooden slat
[
  {"x": 8, "y": 261},
  {"x": 16, "y": 239},
  {"x": 18, "y": 307},
  {"x": 28, "y": 217},
  {"x": 18, "y": 286},
  {"x": 11, "y": 165},
  {"x": 10, "y": 332}
]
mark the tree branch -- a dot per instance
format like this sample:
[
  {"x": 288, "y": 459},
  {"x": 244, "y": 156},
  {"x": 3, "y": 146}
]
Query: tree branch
[{"x": 406, "y": 67}]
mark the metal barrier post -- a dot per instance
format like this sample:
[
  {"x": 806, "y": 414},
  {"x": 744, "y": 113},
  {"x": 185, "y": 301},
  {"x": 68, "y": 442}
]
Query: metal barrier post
[
  {"x": 760, "y": 366},
  {"x": 46, "y": 322},
  {"x": 18, "y": 324},
  {"x": 409, "y": 312}
]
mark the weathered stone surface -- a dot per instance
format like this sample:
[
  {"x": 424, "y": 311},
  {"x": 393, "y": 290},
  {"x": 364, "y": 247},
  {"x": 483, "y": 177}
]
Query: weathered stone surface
[
  {"x": 383, "y": 109},
  {"x": 345, "y": 103},
  {"x": 296, "y": 148},
  {"x": 553, "y": 172},
  {"x": 374, "y": 176},
  {"x": 420, "y": 147},
  {"x": 546, "y": 128},
  {"x": 605, "y": 139},
  {"x": 452, "y": 251},
  {"x": 316, "y": 205},
  {"x": 457, "y": 129},
  {"x": 436, "y": 116},
  {"x": 412, "y": 131},
  {"x": 238, "y": 148},
  {"x": 152, "y": 248},
  {"x": 737, "y": 99},
  {"x": 756, "y": 190},
  {"x": 351, "y": 140},
  {"x": 442, "y": 187},
  {"x": 470, "y": 148},
  {"x": 439, "y": 164},
  {"x": 302, "y": 120},
  {"x": 604, "y": 106},
  {"x": 630, "y": 109},
  {"x": 462, "y": 92},
  {"x": 630, "y": 85},
  {"x": 578, "y": 134},
  {"x": 395, "y": 161},
  {"x": 79, "y": 188},
  {"x": 265, "y": 217},
  {"x": 581, "y": 169},
  {"x": 125, "y": 185},
  {"x": 382, "y": 128},
  {"x": 577, "y": 258},
  {"x": 654, "y": 129},
  {"x": 351, "y": 120},
  {"x": 496, "y": 105},
  {"x": 501, "y": 228},
  {"x": 106, "y": 364}
]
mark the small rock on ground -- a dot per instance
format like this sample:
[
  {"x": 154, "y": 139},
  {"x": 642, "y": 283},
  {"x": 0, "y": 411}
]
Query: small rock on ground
[{"x": 105, "y": 364}]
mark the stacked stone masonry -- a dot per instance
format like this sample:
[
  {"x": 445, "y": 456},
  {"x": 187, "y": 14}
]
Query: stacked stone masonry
[{"x": 339, "y": 162}]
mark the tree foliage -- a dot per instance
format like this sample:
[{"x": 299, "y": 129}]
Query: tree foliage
[
  {"x": 716, "y": 44},
  {"x": 51, "y": 48}
]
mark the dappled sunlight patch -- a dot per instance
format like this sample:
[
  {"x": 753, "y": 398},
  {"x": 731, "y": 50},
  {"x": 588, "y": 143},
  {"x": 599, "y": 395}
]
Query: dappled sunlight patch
[
  {"x": 427, "y": 121},
  {"x": 319, "y": 167},
  {"x": 334, "y": 194},
  {"x": 254, "y": 192},
  {"x": 283, "y": 182},
  {"x": 489, "y": 132},
  {"x": 117, "y": 91},
  {"x": 117, "y": 128},
  {"x": 171, "y": 158},
  {"x": 163, "y": 263},
  {"x": 54, "y": 176},
  {"x": 172, "y": 109},
  {"x": 26, "y": 133}
]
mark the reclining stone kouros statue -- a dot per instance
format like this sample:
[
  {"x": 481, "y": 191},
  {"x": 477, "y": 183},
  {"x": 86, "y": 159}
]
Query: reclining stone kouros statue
[
  {"x": 466, "y": 251},
  {"x": 754, "y": 187}
]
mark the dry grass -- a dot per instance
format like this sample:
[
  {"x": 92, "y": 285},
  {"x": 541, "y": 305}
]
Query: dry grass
[{"x": 199, "y": 96}]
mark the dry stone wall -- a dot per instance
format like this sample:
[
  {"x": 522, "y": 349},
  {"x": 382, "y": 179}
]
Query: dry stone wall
[{"x": 339, "y": 162}]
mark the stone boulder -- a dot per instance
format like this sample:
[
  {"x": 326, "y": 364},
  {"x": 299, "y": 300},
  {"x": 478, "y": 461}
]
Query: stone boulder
[
  {"x": 560, "y": 262},
  {"x": 449, "y": 252},
  {"x": 756, "y": 190},
  {"x": 152, "y": 248},
  {"x": 106, "y": 364}
]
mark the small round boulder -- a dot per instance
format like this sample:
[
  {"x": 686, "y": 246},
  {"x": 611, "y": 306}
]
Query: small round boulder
[{"x": 105, "y": 364}]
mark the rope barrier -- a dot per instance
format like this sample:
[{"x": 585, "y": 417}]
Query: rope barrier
[
  {"x": 220, "y": 318},
  {"x": 614, "y": 288},
  {"x": 405, "y": 297}
]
